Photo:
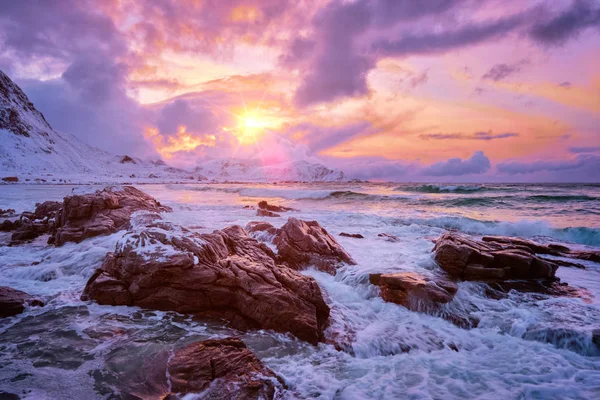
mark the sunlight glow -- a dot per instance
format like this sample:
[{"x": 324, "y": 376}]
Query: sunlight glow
[{"x": 169, "y": 146}]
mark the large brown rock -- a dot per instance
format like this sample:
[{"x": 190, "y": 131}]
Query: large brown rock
[
  {"x": 13, "y": 302},
  {"x": 305, "y": 243},
  {"x": 551, "y": 249},
  {"x": 222, "y": 369},
  {"x": 413, "y": 290},
  {"x": 469, "y": 259},
  {"x": 100, "y": 213},
  {"x": 225, "y": 274},
  {"x": 47, "y": 209},
  {"x": 263, "y": 205}
]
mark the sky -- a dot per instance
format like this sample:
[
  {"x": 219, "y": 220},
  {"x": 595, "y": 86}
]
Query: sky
[{"x": 402, "y": 90}]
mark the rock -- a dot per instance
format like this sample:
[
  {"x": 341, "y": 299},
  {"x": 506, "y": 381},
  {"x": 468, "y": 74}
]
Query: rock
[
  {"x": 498, "y": 290},
  {"x": 47, "y": 209},
  {"x": 28, "y": 231},
  {"x": 388, "y": 237},
  {"x": 261, "y": 226},
  {"x": 13, "y": 302},
  {"x": 304, "y": 243},
  {"x": 222, "y": 369},
  {"x": 8, "y": 225},
  {"x": 411, "y": 289},
  {"x": 265, "y": 213},
  {"x": 352, "y": 235},
  {"x": 7, "y": 213},
  {"x": 551, "y": 249},
  {"x": 10, "y": 179},
  {"x": 225, "y": 274},
  {"x": 127, "y": 159},
  {"x": 263, "y": 205},
  {"x": 101, "y": 213},
  {"x": 477, "y": 260}
]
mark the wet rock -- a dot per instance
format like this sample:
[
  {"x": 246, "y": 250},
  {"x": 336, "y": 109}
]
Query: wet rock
[
  {"x": 552, "y": 287},
  {"x": 47, "y": 209},
  {"x": 352, "y": 235},
  {"x": 13, "y": 302},
  {"x": 10, "y": 179},
  {"x": 305, "y": 243},
  {"x": 101, "y": 213},
  {"x": 225, "y": 275},
  {"x": 388, "y": 237},
  {"x": 537, "y": 248},
  {"x": 263, "y": 205},
  {"x": 222, "y": 369},
  {"x": 469, "y": 259},
  {"x": 412, "y": 290},
  {"x": 9, "y": 212},
  {"x": 8, "y": 225},
  {"x": 266, "y": 213},
  {"x": 261, "y": 226}
]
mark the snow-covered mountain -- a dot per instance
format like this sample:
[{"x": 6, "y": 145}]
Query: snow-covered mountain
[
  {"x": 254, "y": 171},
  {"x": 32, "y": 151}
]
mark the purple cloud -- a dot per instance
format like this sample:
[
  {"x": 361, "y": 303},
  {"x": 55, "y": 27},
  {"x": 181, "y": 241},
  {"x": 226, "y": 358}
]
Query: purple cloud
[
  {"x": 477, "y": 164},
  {"x": 586, "y": 162},
  {"x": 501, "y": 71},
  {"x": 570, "y": 23},
  {"x": 584, "y": 149},
  {"x": 475, "y": 136}
]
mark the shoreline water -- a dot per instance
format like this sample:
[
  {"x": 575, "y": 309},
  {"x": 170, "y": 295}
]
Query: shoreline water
[{"x": 526, "y": 345}]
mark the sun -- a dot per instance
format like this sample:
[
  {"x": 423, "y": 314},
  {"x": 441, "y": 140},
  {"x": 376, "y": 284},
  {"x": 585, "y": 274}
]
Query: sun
[{"x": 250, "y": 127}]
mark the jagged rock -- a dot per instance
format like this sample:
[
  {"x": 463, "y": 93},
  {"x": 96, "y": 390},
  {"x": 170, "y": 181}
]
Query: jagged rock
[
  {"x": 222, "y": 369},
  {"x": 352, "y": 235},
  {"x": 27, "y": 231},
  {"x": 411, "y": 289},
  {"x": 263, "y": 205},
  {"x": 13, "y": 302},
  {"x": 225, "y": 274},
  {"x": 304, "y": 243},
  {"x": 551, "y": 249},
  {"x": 266, "y": 213},
  {"x": 476, "y": 260},
  {"x": 101, "y": 213}
]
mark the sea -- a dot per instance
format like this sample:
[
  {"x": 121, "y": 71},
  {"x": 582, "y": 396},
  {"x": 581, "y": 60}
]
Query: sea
[{"x": 526, "y": 346}]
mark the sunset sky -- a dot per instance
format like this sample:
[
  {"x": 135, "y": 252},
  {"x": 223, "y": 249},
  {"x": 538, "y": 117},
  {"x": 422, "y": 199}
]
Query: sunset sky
[{"x": 436, "y": 90}]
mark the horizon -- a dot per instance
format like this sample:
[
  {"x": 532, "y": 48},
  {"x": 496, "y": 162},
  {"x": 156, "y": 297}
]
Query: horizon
[{"x": 447, "y": 91}]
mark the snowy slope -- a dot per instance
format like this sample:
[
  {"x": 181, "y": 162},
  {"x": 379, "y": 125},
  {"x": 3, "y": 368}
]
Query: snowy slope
[
  {"x": 33, "y": 151},
  {"x": 254, "y": 171}
]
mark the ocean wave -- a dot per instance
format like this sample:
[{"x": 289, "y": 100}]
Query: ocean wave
[
  {"x": 442, "y": 189},
  {"x": 579, "y": 235},
  {"x": 561, "y": 198}
]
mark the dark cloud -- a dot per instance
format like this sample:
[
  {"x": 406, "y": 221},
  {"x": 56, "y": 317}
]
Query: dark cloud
[
  {"x": 419, "y": 80},
  {"x": 565, "y": 84},
  {"x": 582, "y": 14},
  {"x": 195, "y": 117},
  {"x": 337, "y": 70},
  {"x": 474, "y": 136},
  {"x": 587, "y": 163},
  {"x": 438, "y": 42},
  {"x": 501, "y": 71},
  {"x": 477, "y": 164},
  {"x": 584, "y": 149}
]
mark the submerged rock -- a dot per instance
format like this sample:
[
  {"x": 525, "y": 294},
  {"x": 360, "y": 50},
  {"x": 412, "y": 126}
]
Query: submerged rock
[
  {"x": 261, "y": 226},
  {"x": 477, "y": 260},
  {"x": 266, "y": 213},
  {"x": 225, "y": 274},
  {"x": 388, "y": 237},
  {"x": 412, "y": 290},
  {"x": 100, "y": 213},
  {"x": 304, "y": 243},
  {"x": 222, "y": 369},
  {"x": 352, "y": 235},
  {"x": 13, "y": 302},
  {"x": 263, "y": 205}
]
